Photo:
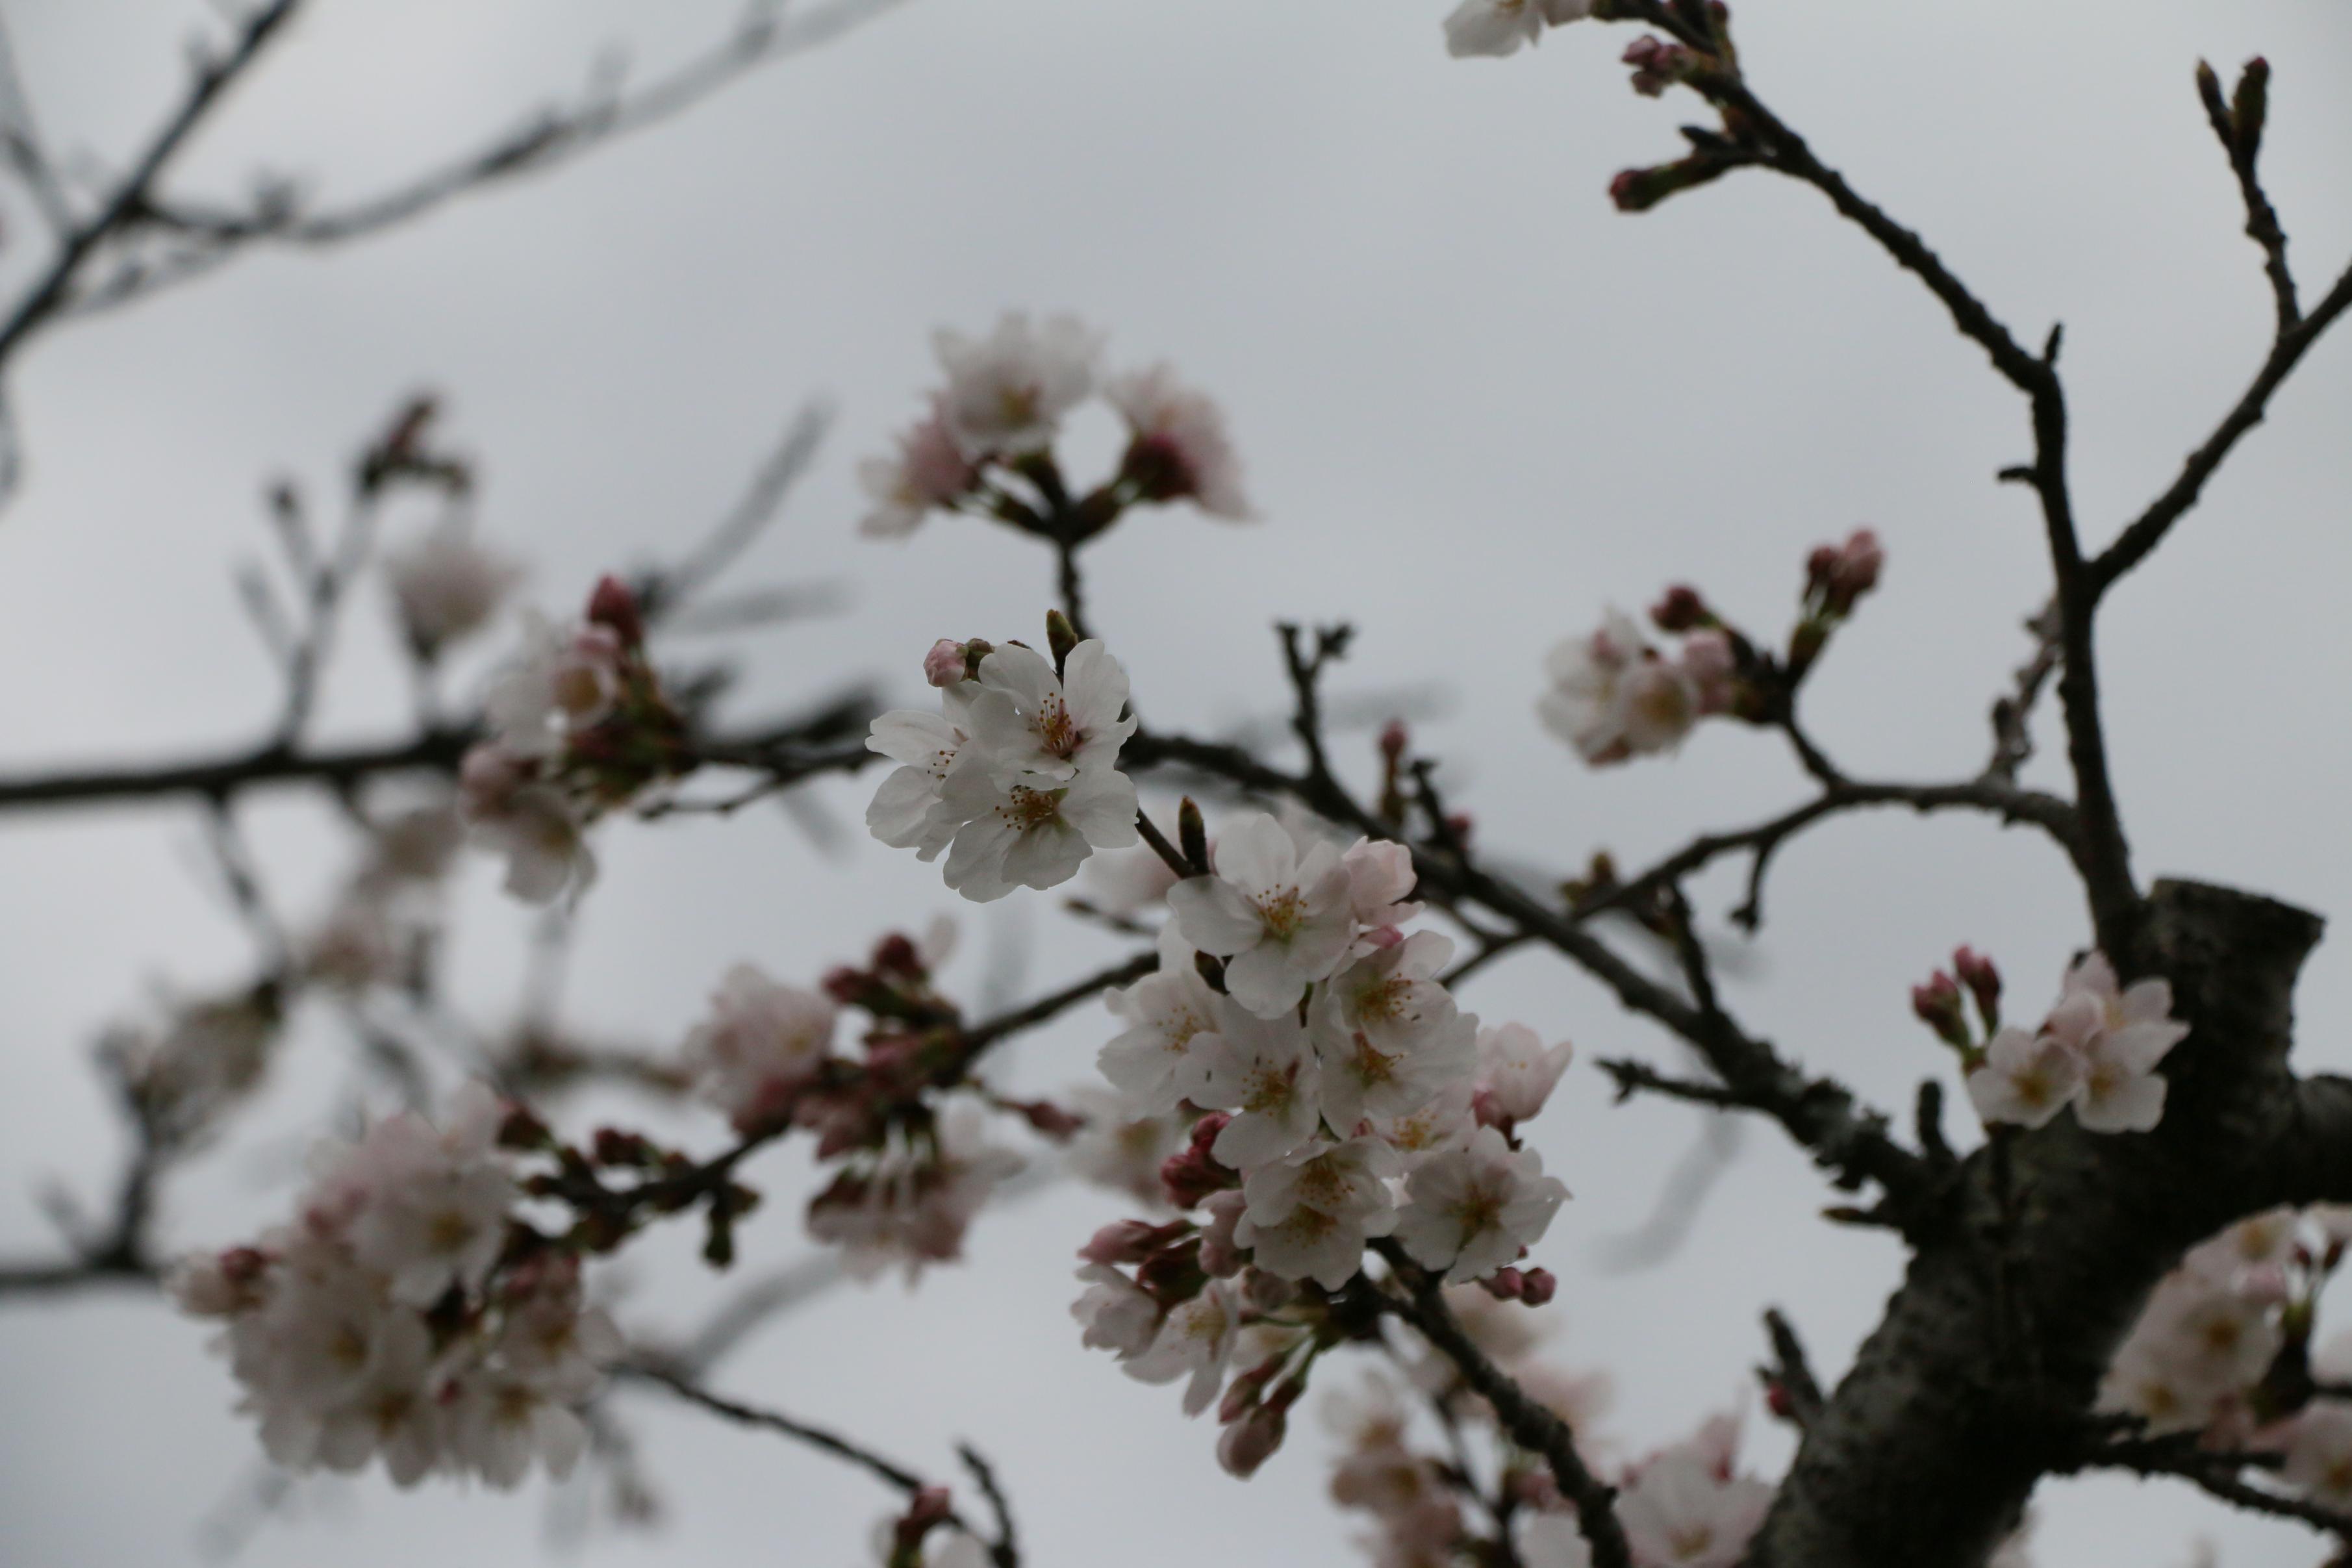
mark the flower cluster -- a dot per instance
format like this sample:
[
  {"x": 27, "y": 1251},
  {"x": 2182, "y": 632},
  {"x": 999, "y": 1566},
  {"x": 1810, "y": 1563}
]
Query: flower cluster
[
  {"x": 1498, "y": 28},
  {"x": 2223, "y": 1346},
  {"x": 1613, "y": 696},
  {"x": 579, "y": 723},
  {"x": 911, "y": 1177},
  {"x": 1337, "y": 1096},
  {"x": 405, "y": 1313},
  {"x": 2098, "y": 1051},
  {"x": 1016, "y": 778},
  {"x": 995, "y": 421}
]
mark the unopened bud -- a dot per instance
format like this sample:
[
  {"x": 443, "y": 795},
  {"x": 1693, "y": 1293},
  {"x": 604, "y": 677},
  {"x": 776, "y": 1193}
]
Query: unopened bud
[
  {"x": 1393, "y": 739},
  {"x": 947, "y": 664},
  {"x": 1937, "y": 1005},
  {"x": 1130, "y": 1241},
  {"x": 1505, "y": 1284},
  {"x": 897, "y": 953},
  {"x": 1049, "y": 1120},
  {"x": 612, "y": 1146},
  {"x": 614, "y": 604},
  {"x": 2249, "y": 107},
  {"x": 522, "y": 1129},
  {"x": 1252, "y": 1441},
  {"x": 1681, "y": 610},
  {"x": 1540, "y": 1285},
  {"x": 1983, "y": 981},
  {"x": 1192, "y": 834},
  {"x": 1060, "y": 637}
]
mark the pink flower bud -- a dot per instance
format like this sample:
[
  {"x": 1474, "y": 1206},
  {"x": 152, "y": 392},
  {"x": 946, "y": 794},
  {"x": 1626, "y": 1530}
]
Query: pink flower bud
[
  {"x": 1243, "y": 1395},
  {"x": 1393, "y": 739},
  {"x": 1983, "y": 981},
  {"x": 1937, "y": 1005},
  {"x": 1681, "y": 610},
  {"x": 1541, "y": 1286},
  {"x": 944, "y": 665},
  {"x": 614, "y": 604},
  {"x": 1130, "y": 1241},
  {"x": 1505, "y": 1284},
  {"x": 1251, "y": 1441}
]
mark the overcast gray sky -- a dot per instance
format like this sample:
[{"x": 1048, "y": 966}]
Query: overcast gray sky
[{"x": 1476, "y": 405}]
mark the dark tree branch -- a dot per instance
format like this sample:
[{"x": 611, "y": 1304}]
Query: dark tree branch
[
  {"x": 884, "y": 1471},
  {"x": 1419, "y": 1298},
  {"x": 204, "y": 236},
  {"x": 1004, "y": 1548},
  {"x": 2147, "y": 531},
  {"x": 2216, "y": 1474},
  {"x": 133, "y": 199},
  {"x": 2242, "y": 145},
  {"x": 1790, "y": 1372}
]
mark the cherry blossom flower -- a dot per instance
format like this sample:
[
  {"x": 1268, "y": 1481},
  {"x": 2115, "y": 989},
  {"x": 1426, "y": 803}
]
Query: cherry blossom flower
[
  {"x": 1613, "y": 697},
  {"x": 929, "y": 472},
  {"x": 446, "y": 587},
  {"x": 1470, "y": 1211},
  {"x": 1499, "y": 26},
  {"x": 762, "y": 1043},
  {"x": 1195, "y": 1340},
  {"x": 498, "y": 1423},
  {"x": 2119, "y": 1036},
  {"x": 1446, "y": 1122},
  {"x": 905, "y": 812},
  {"x": 1179, "y": 448},
  {"x": 1115, "y": 1314},
  {"x": 1380, "y": 879},
  {"x": 913, "y": 1205},
  {"x": 1122, "y": 1146},
  {"x": 1007, "y": 392},
  {"x": 1308, "y": 1216},
  {"x": 1281, "y": 920},
  {"x": 1684, "y": 1509},
  {"x": 538, "y": 828},
  {"x": 2026, "y": 1078},
  {"x": 1516, "y": 1073},
  {"x": 1264, "y": 1070},
  {"x": 1388, "y": 1072},
  {"x": 2319, "y": 1452},
  {"x": 1030, "y": 723},
  {"x": 1165, "y": 1012},
  {"x": 561, "y": 681},
  {"x": 436, "y": 1214},
  {"x": 1027, "y": 834}
]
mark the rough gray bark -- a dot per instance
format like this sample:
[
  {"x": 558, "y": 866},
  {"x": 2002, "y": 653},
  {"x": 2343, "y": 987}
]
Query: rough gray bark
[{"x": 1979, "y": 1377}]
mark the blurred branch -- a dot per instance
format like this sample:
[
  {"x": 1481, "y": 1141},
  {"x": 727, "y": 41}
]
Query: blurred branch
[
  {"x": 665, "y": 591},
  {"x": 199, "y": 236},
  {"x": 133, "y": 199}
]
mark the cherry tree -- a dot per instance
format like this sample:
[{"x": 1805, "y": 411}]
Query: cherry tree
[{"x": 1326, "y": 1154}]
